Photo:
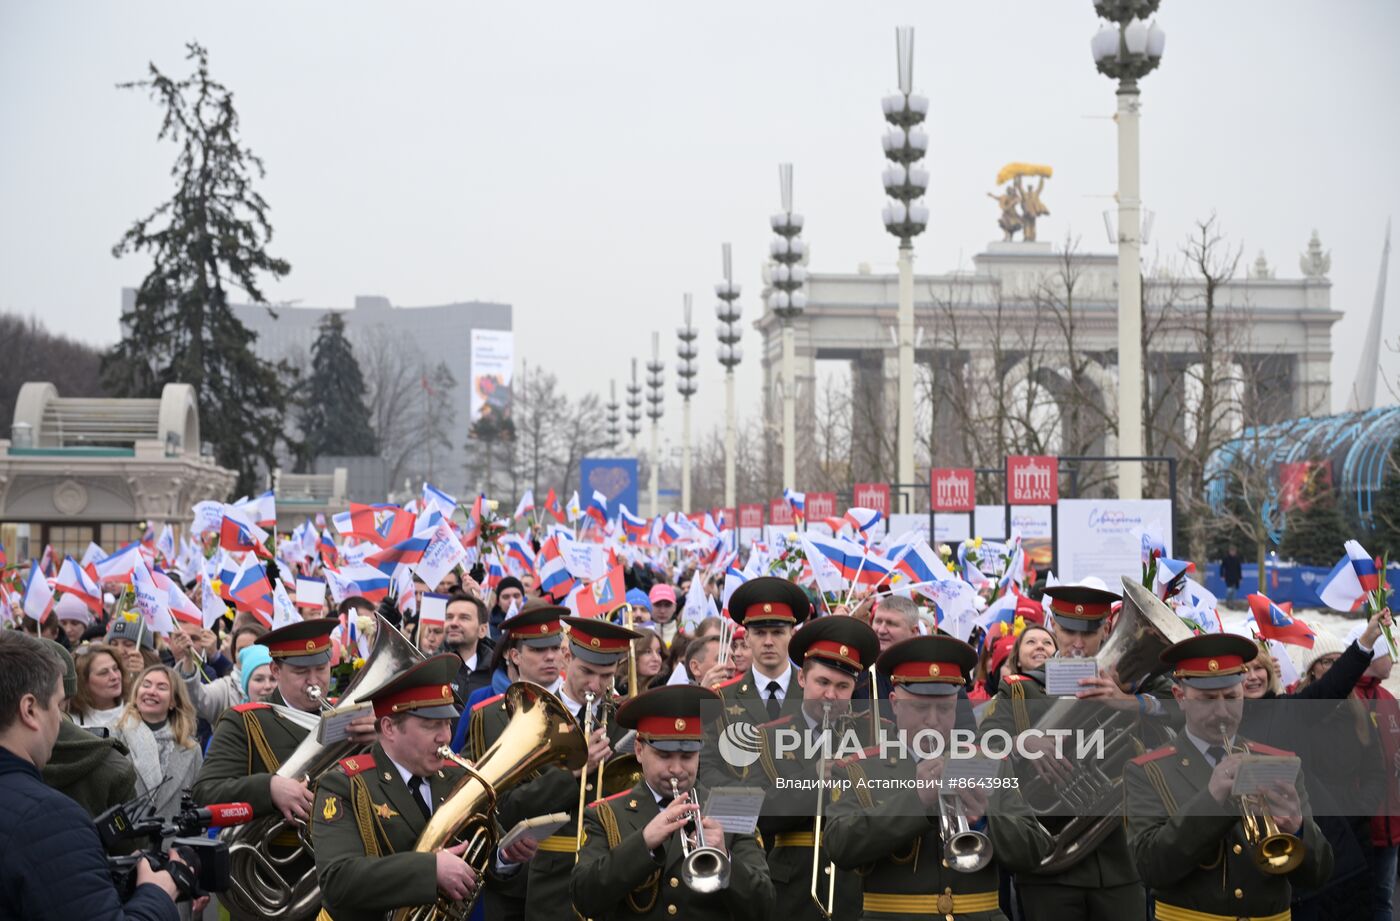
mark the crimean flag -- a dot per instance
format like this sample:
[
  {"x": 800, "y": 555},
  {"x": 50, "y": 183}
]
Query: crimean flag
[
  {"x": 551, "y": 507},
  {"x": 1275, "y": 622}
]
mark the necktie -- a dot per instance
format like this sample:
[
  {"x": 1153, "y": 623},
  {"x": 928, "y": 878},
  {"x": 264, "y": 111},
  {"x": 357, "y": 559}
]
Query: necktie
[
  {"x": 415, "y": 786},
  {"x": 1215, "y": 753},
  {"x": 774, "y": 705},
  {"x": 581, "y": 715}
]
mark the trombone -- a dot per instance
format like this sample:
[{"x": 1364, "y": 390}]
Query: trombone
[
  {"x": 829, "y": 906},
  {"x": 704, "y": 869},
  {"x": 965, "y": 849},
  {"x": 1275, "y": 852}
]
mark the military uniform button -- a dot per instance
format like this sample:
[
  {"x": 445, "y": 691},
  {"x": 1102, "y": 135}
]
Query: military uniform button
[
  {"x": 670, "y": 909},
  {"x": 675, "y": 882},
  {"x": 1237, "y": 849},
  {"x": 1239, "y": 893}
]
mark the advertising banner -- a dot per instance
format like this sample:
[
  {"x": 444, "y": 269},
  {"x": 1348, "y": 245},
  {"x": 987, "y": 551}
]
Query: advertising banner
[
  {"x": 492, "y": 366},
  {"x": 1103, "y": 537},
  {"x": 614, "y": 477}
]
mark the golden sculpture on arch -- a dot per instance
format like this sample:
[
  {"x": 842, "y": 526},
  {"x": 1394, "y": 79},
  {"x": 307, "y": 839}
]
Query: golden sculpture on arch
[{"x": 1020, "y": 203}]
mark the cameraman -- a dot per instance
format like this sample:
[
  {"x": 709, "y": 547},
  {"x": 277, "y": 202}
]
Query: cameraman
[{"x": 54, "y": 865}]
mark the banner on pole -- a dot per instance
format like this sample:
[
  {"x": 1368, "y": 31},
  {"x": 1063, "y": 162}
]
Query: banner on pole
[
  {"x": 821, "y": 505},
  {"x": 952, "y": 489},
  {"x": 780, "y": 513},
  {"x": 492, "y": 367},
  {"x": 1032, "y": 480},
  {"x": 751, "y": 515},
  {"x": 1103, "y": 537},
  {"x": 872, "y": 495},
  {"x": 615, "y": 478}
]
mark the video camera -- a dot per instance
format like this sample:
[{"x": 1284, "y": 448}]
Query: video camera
[{"x": 206, "y": 865}]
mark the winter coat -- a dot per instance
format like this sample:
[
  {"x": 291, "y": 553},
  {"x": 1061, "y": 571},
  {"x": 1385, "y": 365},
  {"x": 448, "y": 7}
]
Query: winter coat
[
  {"x": 93, "y": 771},
  {"x": 161, "y": 765},
  {"x": 54, "y": 867},
  {"x": 212, "y": 698}
]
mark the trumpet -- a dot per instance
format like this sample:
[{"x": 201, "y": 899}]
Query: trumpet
[
  {"x": 829, "y": 906},
  {"x": 583, "y": 774},
  {"x": 704, "y": 869},
  {"x": 1275, "y": 852},
  {"x": 964, "y": 849}
]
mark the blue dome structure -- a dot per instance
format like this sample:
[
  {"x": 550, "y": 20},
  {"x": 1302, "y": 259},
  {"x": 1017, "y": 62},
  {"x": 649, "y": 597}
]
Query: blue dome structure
[{"x": 1357, "y": 445}]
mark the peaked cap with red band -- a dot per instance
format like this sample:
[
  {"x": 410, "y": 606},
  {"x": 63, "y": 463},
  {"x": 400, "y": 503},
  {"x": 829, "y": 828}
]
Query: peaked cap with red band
[
  {"x": 424, "y": 690},
  {"x": 307, "y": 643},
  {"x": 769, "y": 600},
  {"x": 931, "y": 666},
  {"x": 537, "y": 625},
  {"x": 1081, "y": 608},
  {"x": 842, "y": 643},
  {"x": 597, "y": 641},
  {"x": 669, "y": 718},
  {"x": 1210, "y": 661}
]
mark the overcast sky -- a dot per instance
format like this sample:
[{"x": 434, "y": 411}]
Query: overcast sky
[{"x": 584, "y": 161}]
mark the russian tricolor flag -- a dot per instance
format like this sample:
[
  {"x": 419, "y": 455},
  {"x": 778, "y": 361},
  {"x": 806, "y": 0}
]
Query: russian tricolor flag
[
  {"x": 851, "y": 560},
  {"x": 797, "y": 501},
  {"x": 1275, "y": 623},
  {"x": 555, "y": 579},
  {"x": 405, "y": 553},
  {"x": 920, "y": 563},
  {"x": 1355, "y": 576},
  {"x": 238, "y": 534},
  {"x": 635, "y": 528},
  {"x": 598, "y": 508},
  {"x": 382, "y": 525},
  {"x": 251, "y": 592}
]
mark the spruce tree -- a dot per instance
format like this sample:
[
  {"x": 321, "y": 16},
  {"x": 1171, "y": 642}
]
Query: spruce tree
[
  {"x": 334, "y": 416},
  {"x": 210, "y": 236}
]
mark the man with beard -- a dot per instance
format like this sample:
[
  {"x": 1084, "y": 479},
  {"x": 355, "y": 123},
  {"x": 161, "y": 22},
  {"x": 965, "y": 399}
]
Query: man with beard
[{"x": 463, "y": 629}]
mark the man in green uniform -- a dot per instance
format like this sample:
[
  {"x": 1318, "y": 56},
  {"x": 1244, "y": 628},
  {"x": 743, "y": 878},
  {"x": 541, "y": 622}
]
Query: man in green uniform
[
  {"x": 371, "y": 809},
  {"x": 768, "y": 608},
  {"x": 630, "y": 865},
  {"x": 887, "y": 825},
  {"x": 833, "y": 653},
  {"x": 1183, "y": 823},
  {"x": 1103, "y": 885},
  {"x": 592, "y": 655}
]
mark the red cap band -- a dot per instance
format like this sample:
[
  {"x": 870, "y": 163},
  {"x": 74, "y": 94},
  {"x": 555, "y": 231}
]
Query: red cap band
[
  {"x": 768, "y": 610},
  {"x": 431, "y": 695},
  {"x": 839, "y": 652},
  {"x": 605, "y": 644},
  {"x": 923, "y": 672},
  {"x": 279, "y": 649},
  {"x": 1080, "y": 609},
  {"x": 1207, "y": 666},
  {"x": 669, "y": 727}
]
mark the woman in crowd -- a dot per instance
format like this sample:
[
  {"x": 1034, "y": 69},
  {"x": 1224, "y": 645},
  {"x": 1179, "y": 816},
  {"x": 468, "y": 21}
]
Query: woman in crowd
[
  {"x": 133, "y": 642},
  {"x": 650, "y": 655},
  {"x": 740, "y": 656},
  {"x": 255, "y": 672},
  {"x": 158, "y": 729},
  {"x": 100, "y": 697},
  {"x": 211, "y": 698}
]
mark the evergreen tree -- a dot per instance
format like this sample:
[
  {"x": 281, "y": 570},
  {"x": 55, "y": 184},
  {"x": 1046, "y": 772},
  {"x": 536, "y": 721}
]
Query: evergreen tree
[
  {"x": 1316, "y": 529},
  {"x": 439, "y": 413},
  {"x": 209, "y": 237},
  {"x": 1385, "y": 510},
  {"x": 334, "y": 416}
]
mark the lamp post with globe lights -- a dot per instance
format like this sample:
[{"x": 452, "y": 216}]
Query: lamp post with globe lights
[
  {"x": 614, "y": 417},
  {"x": 1127, "y": 51},
  {"x": 686, "y": 369},
  {"x": 786, "y": 278},
  {"x": 905, "y": 217},
  {"x": 634, "y": 408},
  {"x": 730, "y": 354},
  {"x": 656, "y": 393}
]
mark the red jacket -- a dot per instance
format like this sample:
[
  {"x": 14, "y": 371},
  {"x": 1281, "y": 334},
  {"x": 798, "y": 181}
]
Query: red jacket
[{"x": 1385, "y": 713}]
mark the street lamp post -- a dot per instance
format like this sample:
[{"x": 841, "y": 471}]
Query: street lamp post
[
  {"x": 905, "y": 217},
  {"x": 614, "y": 417},
  {"x": 655, "y": 395},
  {"x": 1127, "y": 51},
  {"x": 634, "y": 408},
  {"x": 787, "y": 301},
  {"x": 686, "y": 369},
  {"x": 730, "y": 354}
]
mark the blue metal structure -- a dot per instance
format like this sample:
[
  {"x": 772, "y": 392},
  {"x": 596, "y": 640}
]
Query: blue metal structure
[{"x": 1357, "y": 444}]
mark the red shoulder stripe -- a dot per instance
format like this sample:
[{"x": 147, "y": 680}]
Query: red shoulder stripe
[
  {"x": 1016, "y": 678},
  {"x": 489, "y": 700},
  {"x": 610, "y": 798},
  {"x": 1154, "y": 755},
  {"x": 1262, "y": 749},
  {"x": 774, "y": 724},
  {"x": 248, "y": 707},
  {"x": 870, "y": 752},
  {"x": 356, "y": 764}
]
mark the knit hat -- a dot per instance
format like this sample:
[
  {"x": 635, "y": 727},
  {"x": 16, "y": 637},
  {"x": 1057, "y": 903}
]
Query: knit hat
[
  {"x": 249, "y": 660},
  {"x": 509, "y": 582},
  {"x": 69, "y": 607},
  {"x": 638, "y": 599},
  {"x": 134, "y": 630},
  {"x": 1379, "y": 650},
  {"x": 70, "y": 671},
  {"x": 1325, "y": 643}
]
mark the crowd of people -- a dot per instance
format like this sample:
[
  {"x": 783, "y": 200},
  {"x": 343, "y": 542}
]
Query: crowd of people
[{"x": 148, "y": 717}]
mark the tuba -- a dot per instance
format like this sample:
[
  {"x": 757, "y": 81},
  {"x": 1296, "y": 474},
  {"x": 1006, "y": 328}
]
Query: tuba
[
  {"x": 1146, "y": 626},
  {"x": 540, "y": 732},
  {"x": 264, "y": 884}
]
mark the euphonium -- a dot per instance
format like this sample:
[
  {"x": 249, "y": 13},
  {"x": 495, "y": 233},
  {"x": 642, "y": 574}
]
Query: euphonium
[
  {"x": 964, "y": 849},
  {"x": 540, "y": 732},
  {"x": 1275, "y": 852},
  {"x": 704, "y": 869},
  {"x": 1094, "y": 794},
  {"x": 259, "y": 883}
]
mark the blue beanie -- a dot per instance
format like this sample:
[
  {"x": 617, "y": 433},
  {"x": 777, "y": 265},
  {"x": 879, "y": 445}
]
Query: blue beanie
[
  {"x": 252, "y": 656},
  {"x": 638, "y": 599}
]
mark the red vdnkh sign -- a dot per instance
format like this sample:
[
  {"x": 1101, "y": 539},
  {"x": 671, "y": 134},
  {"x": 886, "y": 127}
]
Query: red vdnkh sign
[
  {"x": 872, "y": 495},
  {"x": 1032, "y": 480},
  {"x": 952, "y": 489}
]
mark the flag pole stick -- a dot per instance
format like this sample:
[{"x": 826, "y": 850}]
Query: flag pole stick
[{"x": 855, "y": 580}]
